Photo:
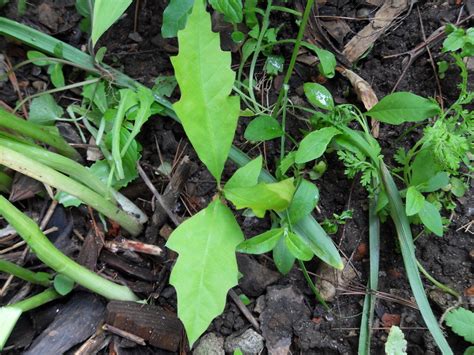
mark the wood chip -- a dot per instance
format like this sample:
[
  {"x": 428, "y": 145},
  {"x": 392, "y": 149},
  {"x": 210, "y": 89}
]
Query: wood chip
[{"x": 362, "y": 41}]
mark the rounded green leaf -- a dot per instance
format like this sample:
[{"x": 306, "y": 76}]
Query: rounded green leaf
[
  {"x": 414, "y": 201},
  {"x": 304, "y": 200},
  {"x": 318, "y": 96},
  {"x": 63, "y": 284},
  {"x": 431, "y": 218},
  {"x": 315, "y": 144},
  {"x": 461, "y": 320},
  {"x": 298, "y": 247},
  {"x": 401, "y": 107},
  {"x": 262, "y": 243},
  {"x": 283, "y": 258},
  {"x": 263, "y": 128}
]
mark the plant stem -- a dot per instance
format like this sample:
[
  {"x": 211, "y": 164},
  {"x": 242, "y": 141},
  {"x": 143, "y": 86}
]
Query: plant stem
[
  {"x": 38, "y": 278},
  {"x": 312, "y": 286},
  {"x": 37, "y": 300},
  {"x": 265, "y": 23},
  {"x": 435, "y": 282},
  {"x": 283, "y": 123},
  {"x": 37, "y": 132},
  {"x": 49, "y": 255},
  {"x": 5, "y": 182},
  {"x": 294, "y": 55},
  {"x": 45, "y": 174}
]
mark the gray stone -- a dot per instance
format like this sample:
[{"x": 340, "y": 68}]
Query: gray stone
[
  {"x": 210, "y": 344},
  {"x": 256, "y": 276},
  {"x": 249, "y": 342}
]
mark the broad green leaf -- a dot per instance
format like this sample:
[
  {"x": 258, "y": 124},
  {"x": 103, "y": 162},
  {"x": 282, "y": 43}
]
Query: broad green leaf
[
  {"x": 424, "y": 168},
  {"x": 208, "y": 114},
  {"x": 262, "y": 197},
  {"x": 9, "y": 316},
  {"x": 318, "y": 96},
  {"x": 315, "y": 144},
  {"x": 304, "y": 201},
  {"x": 106, "y": 12},
  {"x": 396, "y": 343},
  {"x": 461, "y": 320},
  {"x": 455, "y": 40},
  {"x": 263, "y": 128},
  {"x": 206, "y": 267},
  {"x": 438, "y": 181},
  {"x": 431, "y": 218},
  {"x": 261, "y": 243},
  {"x": 414, "y": 201},
  {"x": 63, "y": 284},
  {"x": 57, "y": 76},
  {"x": 35, "y": 56},
  {"x": 44, "y": 110},
  {"x": 327, "y": 61},
  {"x": 175, "y": 17},
  {"x": 298, "y": 247},
  {"x": 401, "y": 107},
  {"x": 283, "y": 258},
  {"x": 246, "y": 175},
  {"x": 458, "y": 187},
  {"x": 231, "y": 9}
]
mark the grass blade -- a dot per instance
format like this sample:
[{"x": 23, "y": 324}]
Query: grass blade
[
  {"x": 402, "y": 225},
  {"x": 372, "y": 286}
]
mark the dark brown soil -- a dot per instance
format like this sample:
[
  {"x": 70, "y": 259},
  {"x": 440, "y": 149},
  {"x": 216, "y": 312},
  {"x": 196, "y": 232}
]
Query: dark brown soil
[{"x": 316, "y": 332}]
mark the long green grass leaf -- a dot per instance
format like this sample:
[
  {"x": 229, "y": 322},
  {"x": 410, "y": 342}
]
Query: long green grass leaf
[{"x": 402, "y": 225}]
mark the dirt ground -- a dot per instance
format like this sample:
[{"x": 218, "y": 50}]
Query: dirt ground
[{"x": 283, "y": 304}]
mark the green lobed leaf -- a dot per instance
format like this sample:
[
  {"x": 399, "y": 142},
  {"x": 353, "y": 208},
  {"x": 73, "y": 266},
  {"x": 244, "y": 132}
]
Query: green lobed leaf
[
  {"x": 208, "y": 114},
  {"x": 175, "y": 17},
  {"x": 396, "y": 343},
  {"x": 261, "y": 243},
  {"x": 318, "y": 96},
  {"x": 401, "y": 107},
  {"x": 461, "y": 320},
  {"x": 431, "y": 218},
  {"x": 298, "y": 247},
  {"x": 315, "y": 144},
  {"x": 262, "y": 197},
  {"x": 263, "y": 128},
  {"x": 106, "y": 12},
  {"x": 414, "y": 201},
  {"x": 304, "y": 201},
  {"x": 44, "y": 110},
  {"x": 231, "y": 9},
  {"x": 246, "y": 175},
  {"x": 206, "y": 267}
]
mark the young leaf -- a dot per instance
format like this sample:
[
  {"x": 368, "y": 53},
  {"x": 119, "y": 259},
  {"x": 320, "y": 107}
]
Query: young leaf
[
  {"x": 246, "y": 175},
  {"x": 461, "y": 320},
  {"x": 283, "y": 258},
  {"x": 298, "y": 247},
  {"x": 106, "y": 12},
  {"x": 431, "y": 218},
  {"x": 44, "y": 110},
  {"x": 304, "y": 200},
  {"x": 175, "y": 17},
  {"x": 318, "y": 96},
  {"x": 315, "y": 144},
  {"x": 208, "y": 114},
  {"x": 327, "y": 62},
  {"x": 206, "y": 267},
  {"x": 261, "y": 243},
  {"x": 262, "y": 197},
  {"x": 396, "y": 343},
  {"x": 231, "y": 9},
  {"x": 414, "y": 201},
  {"x": 263, "y": 128},
  {"x": 63, "y": 284},
  {"x": 57, "y": 76},
  {"x": 401, "y": 107}
]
